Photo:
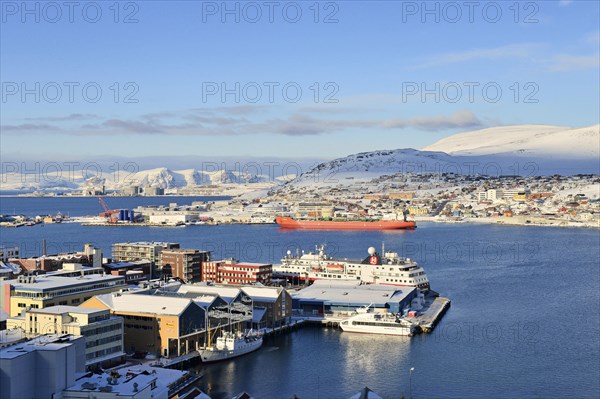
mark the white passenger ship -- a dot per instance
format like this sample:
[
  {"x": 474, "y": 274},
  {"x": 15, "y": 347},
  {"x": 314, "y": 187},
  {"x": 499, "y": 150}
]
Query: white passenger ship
[
  {"x": 379, "y": 323},
  {"x": 230, "y": 345},
  {"x": 376, "y": 269}
]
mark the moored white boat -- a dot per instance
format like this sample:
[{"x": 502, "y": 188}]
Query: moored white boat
[
  {"x": 379, "y": 323},
  {"x": 230, "y": 345}
]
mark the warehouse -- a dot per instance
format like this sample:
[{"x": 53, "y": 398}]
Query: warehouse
[{"x": 344, "y": 297}]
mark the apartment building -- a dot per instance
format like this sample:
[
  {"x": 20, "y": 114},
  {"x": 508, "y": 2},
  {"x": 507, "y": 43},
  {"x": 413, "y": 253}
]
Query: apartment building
[
  {"x": 231, "y": 271},
  {"x": 185, "y": 264},
  {"x": 39, "y": 292},
  {"x": 142, "y": 250}
]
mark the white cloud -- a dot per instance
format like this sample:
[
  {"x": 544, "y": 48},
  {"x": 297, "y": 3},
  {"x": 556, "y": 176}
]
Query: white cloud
[
  {"x": 563, "y": 62},
  {"x": 510, "y": 51}
]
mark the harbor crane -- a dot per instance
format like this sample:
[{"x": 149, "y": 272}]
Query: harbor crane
[{"x": 108, "y": 213}]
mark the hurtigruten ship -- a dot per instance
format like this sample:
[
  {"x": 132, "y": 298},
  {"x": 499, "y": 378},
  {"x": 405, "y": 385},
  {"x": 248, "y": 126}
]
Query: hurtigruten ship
[{"x": 375, "y": 269}]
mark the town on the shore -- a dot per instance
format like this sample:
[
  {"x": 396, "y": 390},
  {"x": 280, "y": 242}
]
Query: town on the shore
[{"x": 569, "y": 201}]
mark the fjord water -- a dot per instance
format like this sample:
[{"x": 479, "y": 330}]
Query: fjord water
[{"x": 524, "y": 320}]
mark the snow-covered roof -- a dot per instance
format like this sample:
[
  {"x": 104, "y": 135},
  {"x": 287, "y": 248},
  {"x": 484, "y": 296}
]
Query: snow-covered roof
[{"x": 139, "y": 303}]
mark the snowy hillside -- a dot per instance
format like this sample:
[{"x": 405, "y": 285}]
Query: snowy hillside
[
  {"x": 524, "y": 140},
  {"x": 527, "y": 150}
]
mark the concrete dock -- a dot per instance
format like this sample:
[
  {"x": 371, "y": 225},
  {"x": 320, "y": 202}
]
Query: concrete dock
[{"x": 434, "y": 310}]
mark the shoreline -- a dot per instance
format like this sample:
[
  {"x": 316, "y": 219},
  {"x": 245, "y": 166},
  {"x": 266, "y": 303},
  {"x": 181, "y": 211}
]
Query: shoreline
[{"x": 536, "y": 221}]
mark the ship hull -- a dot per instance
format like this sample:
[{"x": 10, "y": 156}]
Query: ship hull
[
  {"x": 290, "y": 223},
  {"x": 216, "y": 355}
]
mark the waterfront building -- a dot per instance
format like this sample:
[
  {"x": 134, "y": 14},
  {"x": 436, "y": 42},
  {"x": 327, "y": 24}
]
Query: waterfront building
[
  {"x": 344, "y": 297},
  {"x": 161, "y": 325},
  {"x": 185, "y": 264},
  {"x": 42, "y": 367},
  {"x": 271, "y": 306},
  {"x": 39, "y": 292},
  {"x": 103, "y": 333},
  {"x": 232, "y": 271},
  {"x": 142, "y": 250}
]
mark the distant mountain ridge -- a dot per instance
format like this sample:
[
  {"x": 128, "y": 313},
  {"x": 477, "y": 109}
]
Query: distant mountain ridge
[{"x": 508, "y": 150}]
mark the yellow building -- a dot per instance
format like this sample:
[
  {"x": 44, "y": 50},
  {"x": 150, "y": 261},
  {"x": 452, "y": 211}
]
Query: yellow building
[
  {"x": 418, "y": 210},
  {"x": 103, "y": 333},
  {"x": 38, "y": 292},
  {"x": 162, "y": 325}
]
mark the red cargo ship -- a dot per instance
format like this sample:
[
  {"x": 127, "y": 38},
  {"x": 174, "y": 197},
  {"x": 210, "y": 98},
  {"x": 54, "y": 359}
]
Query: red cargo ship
[{"x": 291, "y": 223}]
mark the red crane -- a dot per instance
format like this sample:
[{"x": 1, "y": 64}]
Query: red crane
[{"x": 108, "y": 213}]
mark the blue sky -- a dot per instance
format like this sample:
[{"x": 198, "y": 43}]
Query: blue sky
[{"x": 371, "y": 61}]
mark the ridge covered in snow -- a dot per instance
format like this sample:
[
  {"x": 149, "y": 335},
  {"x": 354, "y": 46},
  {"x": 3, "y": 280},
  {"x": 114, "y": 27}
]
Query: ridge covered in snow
[{"x": 524, "y": 140}]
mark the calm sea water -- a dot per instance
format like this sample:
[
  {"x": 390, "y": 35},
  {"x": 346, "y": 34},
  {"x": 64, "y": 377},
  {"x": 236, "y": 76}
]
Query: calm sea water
[
  {"x": 85, "y": 206},
  {"x": 524, "y": 321}
]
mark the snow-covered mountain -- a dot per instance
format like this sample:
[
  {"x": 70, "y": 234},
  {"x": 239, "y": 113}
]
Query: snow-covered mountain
[
  {"x": 527, "y": 150},
  {"x": 159, "y": 177},
  {"x": 524, "y": 141}
]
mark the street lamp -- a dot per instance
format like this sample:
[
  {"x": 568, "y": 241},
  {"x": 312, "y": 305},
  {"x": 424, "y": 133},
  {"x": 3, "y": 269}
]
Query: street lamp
[{"x": 410, "y": 381}]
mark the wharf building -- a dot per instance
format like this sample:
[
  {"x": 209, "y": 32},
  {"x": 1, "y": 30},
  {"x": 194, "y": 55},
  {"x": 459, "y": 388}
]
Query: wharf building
[
  {"x": 271, "y": 306},
  {"x": 231, "y": 271},
  {"x": 167, "y": 325},
  {"x": 103, "y": 333},
  {"x": 142, "y": 250},
  {"x": 330, "y": 297},
  {"x": 39, "y": 292}
]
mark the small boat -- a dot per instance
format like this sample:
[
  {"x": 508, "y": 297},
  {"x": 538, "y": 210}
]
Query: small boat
[
  {"x": 230, "y": 345},
  {"x": 379, "y": 323}
]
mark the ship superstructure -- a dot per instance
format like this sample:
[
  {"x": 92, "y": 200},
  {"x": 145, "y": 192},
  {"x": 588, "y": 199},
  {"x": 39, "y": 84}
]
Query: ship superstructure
[{"x": 374, "y": 269}]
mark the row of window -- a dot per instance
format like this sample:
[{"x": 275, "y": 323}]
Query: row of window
[
  {"x": 137, "y": 326},
  {"x": 102, "y": 341},
  {"x": 103, "y": 352},
  {"x": 102, "y": 330},
  {"x": 68, "y": 291},
  {"x": 145, "y": 318}
]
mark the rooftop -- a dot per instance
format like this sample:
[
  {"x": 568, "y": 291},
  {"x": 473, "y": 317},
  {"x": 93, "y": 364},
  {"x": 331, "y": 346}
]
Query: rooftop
[
  {"x": 142, "y": 303},
  {"x": 60, "y": 309},
  {"x": 163, "y": 244},
  {"x": 123, "y": 385},
  {"x": 227, "y": 293},
  {"x": 47, "y": 342},
  {"x": 262, "y": 293},
  {"x": 45, "y": 282},
  {"x": 352, "y": 293}
]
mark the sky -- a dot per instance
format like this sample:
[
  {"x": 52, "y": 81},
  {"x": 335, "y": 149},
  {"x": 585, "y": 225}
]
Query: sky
[{"x": 178, "y": 81}]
